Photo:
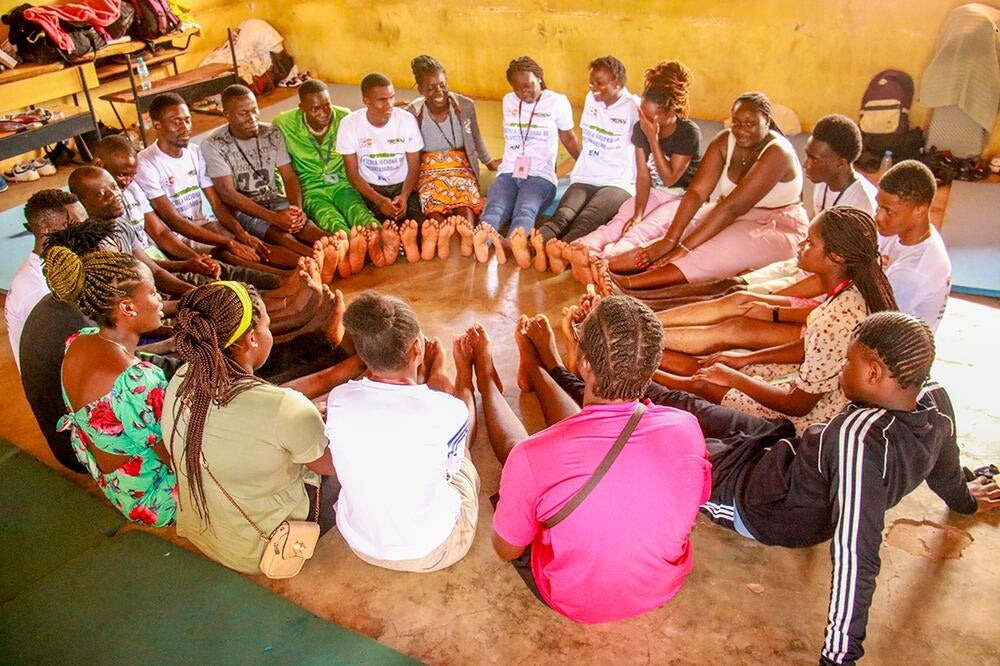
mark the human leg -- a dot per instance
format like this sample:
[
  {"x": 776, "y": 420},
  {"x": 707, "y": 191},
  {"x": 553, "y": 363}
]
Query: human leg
[
  {"x": 600, "y": 208},
  {"x": 320, "y": 206},
  {"x": 536, "y": 344},
  {"x": 572, "y": 202},
  {"x": 733, "y": 333},
  {"x": 500, "y": 201},
  {"x": 534, "y": 194},
  {"x": 654, "y": 225},
  {"x": 352, "y": 206},
  {"x": 326, "y": 495}
]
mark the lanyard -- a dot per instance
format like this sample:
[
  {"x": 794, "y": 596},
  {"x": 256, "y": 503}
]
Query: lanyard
[
  {"x": 453, "y": 142},
  {"x": 318, "y": 147},
  {"x": 840, "y": 288},
  {"x": 525, "y": 133},
  {"x": 260, "y": 155},
  {"x": 826, "y": 189}
]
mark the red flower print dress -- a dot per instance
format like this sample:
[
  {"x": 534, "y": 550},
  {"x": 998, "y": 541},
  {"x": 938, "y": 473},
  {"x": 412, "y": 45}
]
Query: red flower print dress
[{"x": 126, "y": 422}]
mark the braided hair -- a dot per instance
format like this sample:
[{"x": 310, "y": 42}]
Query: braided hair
[
  {"x": 83, "y": 237},
  {"x": 207, "y": 317},
  {"x": 424, "y": 65},
  {"x": 612, "y": 65},
  {"x": 852, "y": 234},
  {"x": 666, "y": 85},
  {"x": 904, "y": 343},
  {"x": 623, "y": 341},
  {"x": 763, "y": 104},
  {"x": 526, "y": 64},
  {"x": 95, "y": 281}
]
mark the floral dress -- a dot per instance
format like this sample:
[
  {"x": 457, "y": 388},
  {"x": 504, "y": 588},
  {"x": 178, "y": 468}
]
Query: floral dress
[{"x": 126, "y": 422}]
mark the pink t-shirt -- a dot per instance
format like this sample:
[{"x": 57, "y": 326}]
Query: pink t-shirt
[{"x": 625, "y": 549}]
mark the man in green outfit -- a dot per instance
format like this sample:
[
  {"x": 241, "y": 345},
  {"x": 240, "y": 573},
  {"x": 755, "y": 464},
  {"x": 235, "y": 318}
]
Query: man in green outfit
[{"x": 311, "y": 136}]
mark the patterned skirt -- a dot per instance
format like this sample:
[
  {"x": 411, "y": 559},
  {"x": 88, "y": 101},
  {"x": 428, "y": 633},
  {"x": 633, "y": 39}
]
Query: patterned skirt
[{"x": 447, "y": 182}]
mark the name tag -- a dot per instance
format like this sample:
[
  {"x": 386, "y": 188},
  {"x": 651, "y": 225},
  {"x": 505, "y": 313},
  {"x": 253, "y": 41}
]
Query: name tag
[
  {"x": 331, "y": 178},
  {"x": 522, "y": 165}
]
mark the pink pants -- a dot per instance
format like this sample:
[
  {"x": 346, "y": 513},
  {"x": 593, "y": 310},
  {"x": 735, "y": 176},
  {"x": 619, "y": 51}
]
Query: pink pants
[{"x": 608, "y": 240}]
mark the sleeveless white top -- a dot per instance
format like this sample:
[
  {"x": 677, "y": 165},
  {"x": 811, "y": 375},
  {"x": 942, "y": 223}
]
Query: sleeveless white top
[{"x": 782, "y": 194}]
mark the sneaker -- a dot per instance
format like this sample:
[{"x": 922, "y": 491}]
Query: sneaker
[
  {"x": 3, "y": 184},
  {"x": 44, "y": 166},
  {"x": 21, "y": 173}
]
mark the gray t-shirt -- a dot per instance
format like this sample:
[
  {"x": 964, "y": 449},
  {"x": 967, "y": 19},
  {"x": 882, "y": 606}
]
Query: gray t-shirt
[
  {"x": 252, "y": 163},
  {"x": 446, "y": 135}
]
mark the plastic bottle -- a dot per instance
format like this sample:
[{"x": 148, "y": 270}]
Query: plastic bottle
[
  {"x": 886, "y": 162},
  {"x": 143, "y": 72}
]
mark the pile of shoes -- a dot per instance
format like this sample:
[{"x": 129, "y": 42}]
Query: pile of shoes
[
  {"x": 29, "y": 170},
  {"x": 946, "y": 167},
  {"x": 26, "y": 120}
]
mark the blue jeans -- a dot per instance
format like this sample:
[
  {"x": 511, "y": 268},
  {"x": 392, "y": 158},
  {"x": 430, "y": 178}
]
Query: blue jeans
[{"x": 515, "y": 202}]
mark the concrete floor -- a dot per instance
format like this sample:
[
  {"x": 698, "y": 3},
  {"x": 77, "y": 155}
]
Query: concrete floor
[{"x": 936, "y": 597}]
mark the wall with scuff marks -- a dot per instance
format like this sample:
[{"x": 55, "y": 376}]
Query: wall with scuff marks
[{"x": 815, "y": 57}]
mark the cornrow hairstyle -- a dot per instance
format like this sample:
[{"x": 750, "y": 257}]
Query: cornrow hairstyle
[
  {"x": 311, "y": 87},
  {"x": 235, "y": 91},
  {"x": 852, "y": 234},
  {"x": 623, "y": 341},
  {"x": 666, "y": 85},
  {"x": 116, "y": 144},
  {"x": 613, "y": 65},
  {"x": 95, "y": 282},
  {"x": 163, "y": 102},
  {"x": 904, "y": 343},
  {"x": 372, "y": 81},
  {"x": 424, "y": 65},
  {"x": 47, "y": 204},
  {"x": 841, "y": 134},
  {"x": 910, "y": 180},
  {"x": 526, "y": 64},
  {"x": 206, "y": 318},
  {"x": 383, "y": 328},
  {"x": 763, "y": 104},
  {"x": 82, "y": 238}
]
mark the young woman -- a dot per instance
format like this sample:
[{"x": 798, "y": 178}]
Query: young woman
[
  {"x": 113, "y": 400},
  {"x": 603, "y": 177},
  {"x": 535, "y": 121},
  {"x": 758, "y": 219},
  {"x": 666, "y": 153},
  {"x": 228, "y": 429},
  {"x": 841, "y": 248}
]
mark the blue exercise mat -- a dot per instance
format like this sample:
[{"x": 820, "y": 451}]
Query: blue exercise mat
[
  {"x": 971, "y": 231},
  {"x": 15, "y": 244}
]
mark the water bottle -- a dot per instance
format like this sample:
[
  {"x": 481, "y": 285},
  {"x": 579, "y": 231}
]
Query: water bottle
[
  {"x": 143, "y": 72},
  {"x": 886, "y": 162}
]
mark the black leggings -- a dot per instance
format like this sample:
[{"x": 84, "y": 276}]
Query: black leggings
[
  {"x": 582, "y": 209},
  {"x": 329, "y": 491}
]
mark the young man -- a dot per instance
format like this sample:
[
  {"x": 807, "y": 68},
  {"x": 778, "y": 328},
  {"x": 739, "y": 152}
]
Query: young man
[
  {"x": 838, "y": 479},
  {"x": 243, "y": 159},
  {"x": 625, "y": 549},
  {"x": 399, "y": 438},
  {"x": 47, "y": 211},
  {"x": 171, "y": 172},
  {"x": 913, "y": 253},
  {"x": 381, "y": 148},
  {"x": 311, "y": 137}
]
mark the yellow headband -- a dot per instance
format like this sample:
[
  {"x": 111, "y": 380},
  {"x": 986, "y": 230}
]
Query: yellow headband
[{"x": 244, "y": 296}]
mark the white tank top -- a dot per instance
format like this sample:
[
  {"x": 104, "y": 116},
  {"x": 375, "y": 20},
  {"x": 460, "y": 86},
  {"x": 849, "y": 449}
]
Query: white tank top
[{"x": 782, "y": 194}]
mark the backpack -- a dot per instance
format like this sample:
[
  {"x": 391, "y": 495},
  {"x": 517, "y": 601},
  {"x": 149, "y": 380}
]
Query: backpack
[
  {"x": 153, "y": 18},
  {"x": 121, "y": 25},
  {"x": 885, "y": 112},
  {"x": 34, "y": 45}
]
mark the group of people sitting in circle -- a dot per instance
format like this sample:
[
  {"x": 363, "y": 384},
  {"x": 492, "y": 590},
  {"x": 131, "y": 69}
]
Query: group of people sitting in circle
[{"x": 773, "y": 371}]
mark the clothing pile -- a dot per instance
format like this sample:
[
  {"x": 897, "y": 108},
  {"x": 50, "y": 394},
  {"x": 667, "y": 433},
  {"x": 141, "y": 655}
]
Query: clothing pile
[{"x": 262, "y": 60}]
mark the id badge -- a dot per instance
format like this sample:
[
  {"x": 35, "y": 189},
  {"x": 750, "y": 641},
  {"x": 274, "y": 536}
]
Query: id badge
[
  {"x": 522, "y": 165},
  {"x": 331, "y": 178}
]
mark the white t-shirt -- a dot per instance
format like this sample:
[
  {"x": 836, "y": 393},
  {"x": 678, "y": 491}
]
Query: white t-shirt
[
  {"x": 393, "y": 447},
  {"x": 382, "y": 150},
  {"x": 538, "y": 132},
  {"x": 181, "y": 179},
  {"x": 26, "y": 289},
  {"x": 136, "y": 207},
  {"x": 859, "y": 194},
  {"x": 607, "y": 157},
  {"x": 920, "y": 276}
]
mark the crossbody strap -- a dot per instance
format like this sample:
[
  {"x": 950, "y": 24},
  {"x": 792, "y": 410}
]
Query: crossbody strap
[{"x": 601, "y": 470}]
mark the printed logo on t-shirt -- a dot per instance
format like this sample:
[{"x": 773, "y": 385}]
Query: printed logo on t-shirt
[
  {"x": 620, "y": 121},
  {"x": 396, "y": 140}
]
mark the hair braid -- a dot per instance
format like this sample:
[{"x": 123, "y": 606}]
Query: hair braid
[
  {"x": 612, "y": 65},
  {"x": 666, "y": 85},
  {"x": 852, "y": 234},
  {"x": 95, "y": 282},
  {"x": 763, "y": 104},
  {"x": 526, "y": 64},
  {"x": 623, "y": 341},
  {"x": 903, "y": 342},
  {"x": 206, "y": 318},
  {"x": 424, "y": 65}
]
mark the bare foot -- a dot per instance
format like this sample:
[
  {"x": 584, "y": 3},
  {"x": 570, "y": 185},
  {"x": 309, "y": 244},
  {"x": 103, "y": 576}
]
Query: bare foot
[
  {"x": 602, "y": 281},
  {"x": 569, "y": 315},
  {"x": 390, "y": 241},
  {"x": 357, "y": 250},
  {"x": 519, "y": 248},
  {"x": 528, "y": 356},
  {"x": 374, "y": 241},
  {"x": 461, "y": 349},
  {"x": 335, "y": 324},
  {"x": 408, "y": 232},
  {"x": 579, "y": 259},
  {"x": 311, "y": 273},
  {"x": 543, "y": 338},
  {"x": 497, "y": 242},
  {"x": 465, "y": 231},
  {"x": 479, "y": 243},
  {"x": 445, "y": 232},
  {"x": 433, "y": 359},
  {"x": 555, "y": 249},
  {"x": 538, "y": 245},
  {"x": 428, "y": 239},
  {"x": 482, "y": 356},
  {"x": 343, "y": 265}
]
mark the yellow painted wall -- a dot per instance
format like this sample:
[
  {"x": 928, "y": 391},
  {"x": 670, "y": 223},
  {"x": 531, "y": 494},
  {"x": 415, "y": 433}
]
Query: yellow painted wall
[{"x": 815, "y": 56}]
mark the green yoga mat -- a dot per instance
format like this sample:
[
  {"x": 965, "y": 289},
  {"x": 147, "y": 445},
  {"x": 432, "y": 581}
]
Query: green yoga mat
[
  {"x": 45, "y": 520},
  {"x": 139, "y": 599}
]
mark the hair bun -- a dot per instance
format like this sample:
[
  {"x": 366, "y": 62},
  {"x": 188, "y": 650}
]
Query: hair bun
[{"x": 63, "y": 270}]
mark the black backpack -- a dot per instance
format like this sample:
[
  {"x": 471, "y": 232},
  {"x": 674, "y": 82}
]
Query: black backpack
[
  {"x": 34, "y": 45},
  {"x": 153, "y": 18}
]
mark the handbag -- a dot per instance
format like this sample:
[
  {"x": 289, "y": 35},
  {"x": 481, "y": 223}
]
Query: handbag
[
  {"x": 287, "y": 548},
  {"x": 601, "y": 470}
]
